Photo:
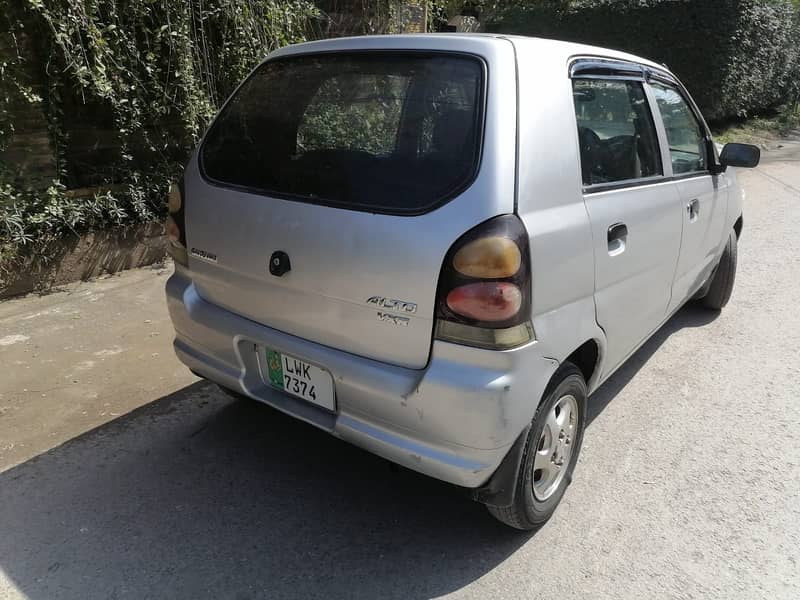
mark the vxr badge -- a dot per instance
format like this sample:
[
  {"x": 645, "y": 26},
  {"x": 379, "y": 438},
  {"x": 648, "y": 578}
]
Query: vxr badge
[{"x": 393, "y": 319}]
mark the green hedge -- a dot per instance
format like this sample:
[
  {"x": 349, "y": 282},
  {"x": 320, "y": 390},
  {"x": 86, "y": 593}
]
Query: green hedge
[{"x": 737, "y": 57}]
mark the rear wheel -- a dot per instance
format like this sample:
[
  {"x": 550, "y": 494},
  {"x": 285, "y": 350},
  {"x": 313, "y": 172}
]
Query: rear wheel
[
  {"x": 719, "y": 292},
  {"x": 551, "y": 451}
]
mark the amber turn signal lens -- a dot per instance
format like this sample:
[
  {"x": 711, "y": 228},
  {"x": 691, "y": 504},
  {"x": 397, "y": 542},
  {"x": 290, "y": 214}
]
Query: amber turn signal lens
[
  {"x": 175, "y": 200},
  {"x": 488, "y": 258}
]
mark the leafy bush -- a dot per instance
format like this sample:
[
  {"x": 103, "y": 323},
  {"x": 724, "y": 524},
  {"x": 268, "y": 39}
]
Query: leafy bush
[
  {"x": 142, "y": 79},
  {"x": 32, "y": 219},
  {"x": 737, "y": 57}
]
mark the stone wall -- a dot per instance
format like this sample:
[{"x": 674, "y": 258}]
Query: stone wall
[{"x": 79, "y": 258}]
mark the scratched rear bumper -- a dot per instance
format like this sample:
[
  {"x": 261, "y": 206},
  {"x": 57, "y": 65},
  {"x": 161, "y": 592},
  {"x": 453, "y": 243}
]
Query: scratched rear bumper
[{"x": 454, "y": 420}]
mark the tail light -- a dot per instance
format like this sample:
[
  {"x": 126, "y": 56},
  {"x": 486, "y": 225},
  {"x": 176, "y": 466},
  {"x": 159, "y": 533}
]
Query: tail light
[
  {"x": 484, "y": 287},
  {"x": 175, "y": 226}
]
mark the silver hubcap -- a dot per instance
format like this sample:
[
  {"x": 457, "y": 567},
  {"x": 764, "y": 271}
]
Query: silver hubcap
[{"x": 554, "y": 450}]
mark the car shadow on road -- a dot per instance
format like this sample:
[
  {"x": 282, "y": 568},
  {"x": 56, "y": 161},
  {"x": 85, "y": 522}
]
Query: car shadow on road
[
  {"x": 196, "y": 495},
  {"x": 691, "y": 315}
]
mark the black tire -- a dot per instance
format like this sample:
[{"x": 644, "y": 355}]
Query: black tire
[
  {"x": 719, "y": 292},
  {"x": 528, "y": 511}
]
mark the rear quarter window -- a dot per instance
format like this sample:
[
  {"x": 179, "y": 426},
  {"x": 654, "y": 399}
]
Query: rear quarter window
[{"x": 376, "y": 131}]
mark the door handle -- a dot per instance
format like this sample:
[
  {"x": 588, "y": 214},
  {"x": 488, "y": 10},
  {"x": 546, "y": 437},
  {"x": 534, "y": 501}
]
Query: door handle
[
  {"x": 617, "y": 238},
  {"x": 693, "y": 209}
]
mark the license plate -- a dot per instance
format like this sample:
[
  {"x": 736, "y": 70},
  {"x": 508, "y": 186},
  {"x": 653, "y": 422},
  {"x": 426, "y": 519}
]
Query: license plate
[{"x": 299, "y": 378}]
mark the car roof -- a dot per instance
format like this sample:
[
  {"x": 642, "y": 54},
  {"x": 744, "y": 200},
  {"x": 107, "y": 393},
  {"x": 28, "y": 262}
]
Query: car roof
[{"x": 556, "y": 50}]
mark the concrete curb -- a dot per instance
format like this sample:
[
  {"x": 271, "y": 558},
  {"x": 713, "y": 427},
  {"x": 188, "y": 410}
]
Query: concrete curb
[{"x": 81, "y": 258}]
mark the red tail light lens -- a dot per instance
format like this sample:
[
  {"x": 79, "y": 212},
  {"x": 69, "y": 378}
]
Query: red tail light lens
[
  {"x": 486, "y": 301},
  {"x": 484, "y": 287}
]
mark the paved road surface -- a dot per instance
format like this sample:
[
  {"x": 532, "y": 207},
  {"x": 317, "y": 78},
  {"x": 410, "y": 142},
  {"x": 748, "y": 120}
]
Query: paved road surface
[{"x": 123, "y": 476}]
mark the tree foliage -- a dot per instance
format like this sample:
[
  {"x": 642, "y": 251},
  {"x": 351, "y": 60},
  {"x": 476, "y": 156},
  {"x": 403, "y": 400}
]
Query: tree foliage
[{"x": 737, "y": 57}]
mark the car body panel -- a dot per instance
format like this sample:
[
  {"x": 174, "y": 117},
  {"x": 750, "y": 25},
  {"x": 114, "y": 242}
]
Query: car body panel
[
  {"x": 551, "y": 206},
  {"x": 633, "y": 288},
  {"x": 704, "y": 202}
]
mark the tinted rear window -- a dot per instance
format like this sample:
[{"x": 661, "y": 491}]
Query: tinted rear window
[{"x": 383, "y": 132}]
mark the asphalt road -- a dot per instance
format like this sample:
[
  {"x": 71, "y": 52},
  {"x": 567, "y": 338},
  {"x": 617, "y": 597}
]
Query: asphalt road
[{"x": 123, "y": 476}]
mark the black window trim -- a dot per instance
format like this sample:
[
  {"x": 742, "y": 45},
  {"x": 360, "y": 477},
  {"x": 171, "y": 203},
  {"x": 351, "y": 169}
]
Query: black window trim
[
  {"x": 480, "y": 121},
  {"x": 597, "y": 188},
  {"x": 625, "y": 184}
]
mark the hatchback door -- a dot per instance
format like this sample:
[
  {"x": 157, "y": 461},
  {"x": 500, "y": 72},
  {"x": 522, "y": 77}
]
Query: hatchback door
[{"x": 355, "y": 171}]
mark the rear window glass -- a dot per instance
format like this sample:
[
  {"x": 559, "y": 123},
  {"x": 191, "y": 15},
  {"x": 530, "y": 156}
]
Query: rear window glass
[{"x": 383, "y": 132}]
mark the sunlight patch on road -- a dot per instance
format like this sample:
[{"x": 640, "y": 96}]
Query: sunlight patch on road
[{"x": 13, "y": 339}]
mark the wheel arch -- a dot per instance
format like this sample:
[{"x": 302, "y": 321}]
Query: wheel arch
[
  {"x": 737, "y": 227},
  {"x": 587, "y": 358}
]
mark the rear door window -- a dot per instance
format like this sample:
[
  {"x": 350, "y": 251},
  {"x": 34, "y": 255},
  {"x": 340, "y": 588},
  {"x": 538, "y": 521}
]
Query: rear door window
[
  {"x": 618, "y": 139},
  {"x": 383, "y": 132}
]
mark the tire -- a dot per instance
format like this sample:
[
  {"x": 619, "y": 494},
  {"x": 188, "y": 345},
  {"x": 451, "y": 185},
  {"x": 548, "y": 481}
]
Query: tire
[
  {"x": 719, "y": 292},
  {"x": 536, "y": 496}
]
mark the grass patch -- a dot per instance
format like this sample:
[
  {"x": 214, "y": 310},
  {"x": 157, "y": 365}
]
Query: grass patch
[{"x": 766, "y": 130}]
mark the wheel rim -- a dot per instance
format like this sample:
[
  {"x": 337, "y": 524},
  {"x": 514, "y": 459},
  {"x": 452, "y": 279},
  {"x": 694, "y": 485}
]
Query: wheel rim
[{"x": 555, "y": 446}]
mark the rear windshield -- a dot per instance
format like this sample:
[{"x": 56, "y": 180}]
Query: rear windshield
[{"x": 383, "y": 132}]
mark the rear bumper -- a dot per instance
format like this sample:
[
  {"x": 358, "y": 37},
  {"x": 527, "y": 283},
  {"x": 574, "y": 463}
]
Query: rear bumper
[{"x": 455, "y": 420}]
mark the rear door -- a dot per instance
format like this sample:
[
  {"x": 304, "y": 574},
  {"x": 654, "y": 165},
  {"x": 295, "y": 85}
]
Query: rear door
[
  {"x": 357, "y": 170},
  {"x": 633, "y": 208},
  {"x": 703, "y": 195}
]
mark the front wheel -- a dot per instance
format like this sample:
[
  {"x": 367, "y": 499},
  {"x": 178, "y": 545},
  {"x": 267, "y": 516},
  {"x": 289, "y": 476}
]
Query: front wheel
[
  {"x": 551, "y": 451},
  {"x": 719, "y": 292}
]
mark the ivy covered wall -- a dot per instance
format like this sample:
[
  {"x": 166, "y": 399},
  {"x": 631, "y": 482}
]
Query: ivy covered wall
[
  {"x": 143, "y": 78},
  {"x": 102, "y": 100}
]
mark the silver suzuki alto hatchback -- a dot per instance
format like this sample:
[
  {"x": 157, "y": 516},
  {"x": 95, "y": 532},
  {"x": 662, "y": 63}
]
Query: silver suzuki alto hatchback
[{"x": 436, "y": 247}]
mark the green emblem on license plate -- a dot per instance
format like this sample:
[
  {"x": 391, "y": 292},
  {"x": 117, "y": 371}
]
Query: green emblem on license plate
[{"x": 275, "y": 368}]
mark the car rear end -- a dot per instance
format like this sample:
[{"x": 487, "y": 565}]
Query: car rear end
[{"x": 346, "y": 249}]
